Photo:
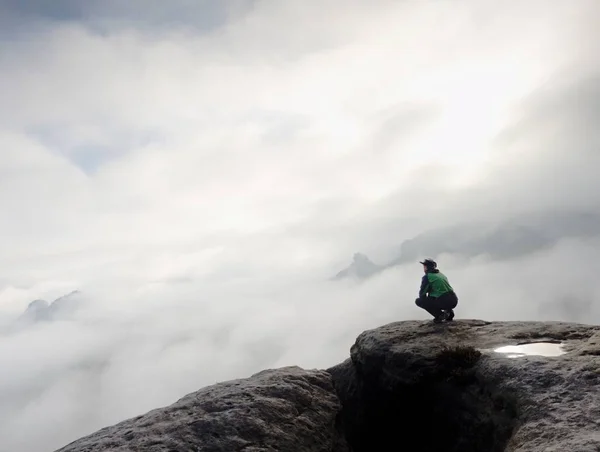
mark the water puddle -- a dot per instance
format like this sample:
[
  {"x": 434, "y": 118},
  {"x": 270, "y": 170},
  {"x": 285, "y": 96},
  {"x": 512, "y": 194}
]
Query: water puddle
[{"x": 534, "y": 349}]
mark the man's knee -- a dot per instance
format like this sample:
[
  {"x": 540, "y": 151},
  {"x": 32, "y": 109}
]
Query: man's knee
[{"x": 421, "y": 302}]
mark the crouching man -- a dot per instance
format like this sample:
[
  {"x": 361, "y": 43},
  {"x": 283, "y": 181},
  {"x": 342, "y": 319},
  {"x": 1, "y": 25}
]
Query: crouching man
[{"x": 436, "y": 295}]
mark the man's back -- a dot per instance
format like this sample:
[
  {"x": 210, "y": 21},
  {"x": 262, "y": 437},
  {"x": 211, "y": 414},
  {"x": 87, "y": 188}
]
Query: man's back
[{"x": 438, "y": 284}]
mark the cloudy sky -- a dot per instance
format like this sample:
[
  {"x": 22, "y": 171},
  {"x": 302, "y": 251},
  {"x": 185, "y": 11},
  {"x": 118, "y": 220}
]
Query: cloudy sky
[{"x": 200, "y": 169}]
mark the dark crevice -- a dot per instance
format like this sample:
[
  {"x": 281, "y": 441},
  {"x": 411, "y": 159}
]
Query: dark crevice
[{"x": 424, "y": 404}]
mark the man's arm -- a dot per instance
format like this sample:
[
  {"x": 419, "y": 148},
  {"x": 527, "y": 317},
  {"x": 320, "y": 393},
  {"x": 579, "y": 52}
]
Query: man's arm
[{"x": 424, "y": 286}]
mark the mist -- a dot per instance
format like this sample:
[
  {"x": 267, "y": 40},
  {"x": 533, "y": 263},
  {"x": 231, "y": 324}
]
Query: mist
[
  {"x": 124, "y": 354},
  {"x": 199, "y": 173}
]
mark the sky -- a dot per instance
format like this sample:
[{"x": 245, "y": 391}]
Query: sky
[{"x": 199, "y": 170}]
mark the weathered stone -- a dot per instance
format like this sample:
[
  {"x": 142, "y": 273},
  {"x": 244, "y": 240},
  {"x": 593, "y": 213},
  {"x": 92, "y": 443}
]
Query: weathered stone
[
  {"x": 412, "y": 386},
  {"x": 442, "y": 387},
  {"x": 288, "y": 409}
]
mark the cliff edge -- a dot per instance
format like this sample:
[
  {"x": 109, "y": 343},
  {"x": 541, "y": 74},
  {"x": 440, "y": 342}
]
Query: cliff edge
[{"x": 412, "y": 385}]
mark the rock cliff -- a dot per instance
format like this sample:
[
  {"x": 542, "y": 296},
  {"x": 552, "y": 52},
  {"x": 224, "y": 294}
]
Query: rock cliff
[
  {"x": 406, "y": 386},
  {"x": 284, "y": 409}
]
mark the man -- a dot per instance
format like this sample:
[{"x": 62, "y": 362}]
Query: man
[{"x": 436, "y": 295}]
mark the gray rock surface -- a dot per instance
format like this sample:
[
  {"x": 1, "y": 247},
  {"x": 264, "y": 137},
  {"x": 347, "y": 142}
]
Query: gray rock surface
[
  {"x": 412, "y": 386},
  {"x": 288, "y": 409},
  {"x": 409, "y": 378}
]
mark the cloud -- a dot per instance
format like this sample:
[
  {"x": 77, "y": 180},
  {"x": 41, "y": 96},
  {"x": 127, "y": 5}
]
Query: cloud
[
  {"x": 199, "y": 171},
  {"x": 106, "y": 16},
  {"x": 115, "y": 359}
]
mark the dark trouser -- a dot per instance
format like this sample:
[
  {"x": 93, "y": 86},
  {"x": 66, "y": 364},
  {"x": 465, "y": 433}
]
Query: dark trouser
[{"x": 435, "y": 306}]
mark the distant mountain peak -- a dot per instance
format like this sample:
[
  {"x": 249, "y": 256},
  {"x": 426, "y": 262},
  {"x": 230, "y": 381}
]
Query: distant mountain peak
[
  {"x": 360, "y": 268},
  {"x": 40, "y": 310},
  {"x": 37, "y": 304},
  {"x": 511, "y": 238}
]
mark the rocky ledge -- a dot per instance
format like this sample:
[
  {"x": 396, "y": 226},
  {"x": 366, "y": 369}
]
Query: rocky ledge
[{"x": 406, "y": 386}]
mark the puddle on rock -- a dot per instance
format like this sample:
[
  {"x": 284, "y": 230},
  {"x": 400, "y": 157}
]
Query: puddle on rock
[{"x": 536, "y": 348}]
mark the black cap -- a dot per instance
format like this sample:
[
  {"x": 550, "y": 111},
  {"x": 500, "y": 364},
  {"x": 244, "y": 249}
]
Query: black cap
[{"x": 429, "y": 263}]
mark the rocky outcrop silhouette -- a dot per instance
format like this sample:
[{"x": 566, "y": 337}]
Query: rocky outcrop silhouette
[
  {"x": 36, "y": 311},
  {"x": 360, "y": 268},
  {"x": 406, "y": 386},
  {"x": 515, "y": 237},
  {"x": 42, "y": 311}
]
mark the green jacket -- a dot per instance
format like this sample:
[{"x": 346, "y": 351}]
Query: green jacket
[{"x": 434, "y": 284}]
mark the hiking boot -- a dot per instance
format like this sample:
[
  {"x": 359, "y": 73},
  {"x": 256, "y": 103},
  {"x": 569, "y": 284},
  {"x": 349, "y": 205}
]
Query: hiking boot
[
  {"x": 439, "y": 318},
  {"x": 449, "y": 315}
]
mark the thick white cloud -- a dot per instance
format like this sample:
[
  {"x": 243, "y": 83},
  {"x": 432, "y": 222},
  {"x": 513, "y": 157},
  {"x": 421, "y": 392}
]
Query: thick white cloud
[{"x": 200, "y": 184}]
